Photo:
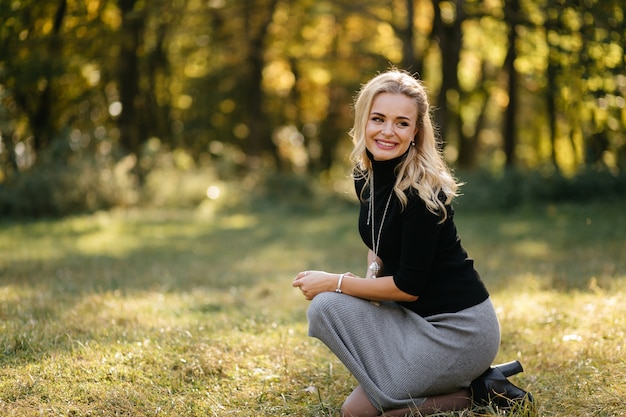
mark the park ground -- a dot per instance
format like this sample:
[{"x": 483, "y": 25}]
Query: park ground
[{"x": 172, "y": 312}]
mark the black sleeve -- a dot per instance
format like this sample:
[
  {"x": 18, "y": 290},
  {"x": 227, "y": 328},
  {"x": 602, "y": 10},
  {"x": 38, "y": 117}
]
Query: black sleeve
[{"x": 420, "y": 236}]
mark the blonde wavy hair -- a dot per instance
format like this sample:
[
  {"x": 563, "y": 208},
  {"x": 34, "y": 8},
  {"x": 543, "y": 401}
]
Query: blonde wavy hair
[{"x": 424, "y": 167}]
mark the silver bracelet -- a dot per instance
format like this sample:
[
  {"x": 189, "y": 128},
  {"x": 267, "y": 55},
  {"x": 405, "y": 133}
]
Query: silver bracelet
[{"x": 338, "y": 290}]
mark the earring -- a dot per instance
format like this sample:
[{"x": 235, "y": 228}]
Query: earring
[{"x": 413, "y": 143}]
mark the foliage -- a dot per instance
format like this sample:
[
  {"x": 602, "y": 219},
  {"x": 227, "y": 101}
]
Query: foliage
[
  {"x": 515, "y": 188},
  {"x": 191, "y": 313},
  {"x": 84, "y": 184},
  {"x": 81, "y": 184},
  {"x": 521, "y": 83}
]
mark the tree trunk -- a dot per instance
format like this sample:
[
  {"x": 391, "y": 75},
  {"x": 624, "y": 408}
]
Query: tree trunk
[
  {"x": 409, "y": 61},
  {"x": 468, "y": 144},
  {"x": 41, "y": 122},
  {"x": 333, "y": 126},
  {"x": 552, "y": 111},
  {"x": 9, "y": 167},
  {"x": 259, "y": 139},
  {"x": 511, "y": 11},
  {"x": 128, "y": 76},
  {"x": 159, "y": 115},
  {"x": 450, "y": 42}
]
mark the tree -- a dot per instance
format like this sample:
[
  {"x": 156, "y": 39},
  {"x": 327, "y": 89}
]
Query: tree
[
  {"x": 257, "y": 19},
  {"x": 540, "y": 82},
  {"x": 512, "y": 16},
  {"x": 32, "y": 66},
  {"x": 128, "y": 75}
]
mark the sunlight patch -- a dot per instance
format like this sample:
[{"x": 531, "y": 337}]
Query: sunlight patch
[
  {"x": 239, "y": 221},
  {"x": 107, "y": 241},
  {"x": 532, "y": 248}
]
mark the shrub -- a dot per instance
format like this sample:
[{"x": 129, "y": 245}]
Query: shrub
[
  {"x": 52, "y": 188},
  {"x": 82, "y": 182},
  {"x": 514, "y": 187}
]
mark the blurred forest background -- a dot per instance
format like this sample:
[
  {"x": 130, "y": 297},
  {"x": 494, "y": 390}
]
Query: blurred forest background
[{"x": 121, "y": 102}]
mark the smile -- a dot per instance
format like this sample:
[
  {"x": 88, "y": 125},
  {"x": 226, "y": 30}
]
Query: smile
[{"x": 385, "y": 144}]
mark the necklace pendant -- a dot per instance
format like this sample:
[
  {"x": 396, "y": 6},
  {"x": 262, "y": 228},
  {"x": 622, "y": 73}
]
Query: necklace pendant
[{"x": 375, "y": 269}]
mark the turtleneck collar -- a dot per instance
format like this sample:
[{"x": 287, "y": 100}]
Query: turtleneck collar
[{"x": 385, "y": 170}]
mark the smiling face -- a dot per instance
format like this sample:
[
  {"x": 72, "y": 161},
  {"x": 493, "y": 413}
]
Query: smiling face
[{"x": 391, "y": 126}]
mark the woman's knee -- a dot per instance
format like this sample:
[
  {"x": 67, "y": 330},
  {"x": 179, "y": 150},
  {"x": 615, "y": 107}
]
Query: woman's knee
[
  {"x": 321, "y": 306},
  {"x": 358, "y": 405}
]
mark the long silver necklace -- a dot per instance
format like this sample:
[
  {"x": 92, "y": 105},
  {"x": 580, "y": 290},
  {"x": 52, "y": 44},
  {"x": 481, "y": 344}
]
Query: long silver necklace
[{"x": 374, "y": 266}]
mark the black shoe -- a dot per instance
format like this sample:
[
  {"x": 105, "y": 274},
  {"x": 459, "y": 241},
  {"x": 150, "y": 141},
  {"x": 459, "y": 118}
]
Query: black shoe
[
  {"x": 492, "y": 387},
  {"x": 510, "y": 368}
]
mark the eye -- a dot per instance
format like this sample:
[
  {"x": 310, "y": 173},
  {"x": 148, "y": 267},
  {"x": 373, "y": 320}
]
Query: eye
[{"x": 377, "y": 119}]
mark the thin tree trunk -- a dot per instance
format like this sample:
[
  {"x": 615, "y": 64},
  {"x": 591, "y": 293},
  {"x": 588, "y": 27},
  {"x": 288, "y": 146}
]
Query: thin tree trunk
[
  {"x": 511, "y": 11},
  {"x": 332, "y": 128},
  {"x": 450, "y": 42},
  {"x": 159, "y": 115},
  {"x": 409, "y": 61},
  {"x": 468, "y": 144},
  {"x": 259, "y": 139},
  {"x": 552, "y": 112},
  {"x": 128, "y": 76},
  {"x": 42, "y": 117}
]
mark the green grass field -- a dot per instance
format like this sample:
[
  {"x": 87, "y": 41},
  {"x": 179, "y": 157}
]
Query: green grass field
[{"x": 192, "y": 313}]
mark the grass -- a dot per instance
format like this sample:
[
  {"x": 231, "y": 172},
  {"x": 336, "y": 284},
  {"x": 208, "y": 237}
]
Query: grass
[{"x": 191, "y": 313}]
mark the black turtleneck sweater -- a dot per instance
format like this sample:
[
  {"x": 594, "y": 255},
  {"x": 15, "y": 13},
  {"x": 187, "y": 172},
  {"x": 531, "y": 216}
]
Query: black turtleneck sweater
[{"x": 424, "y": 257}]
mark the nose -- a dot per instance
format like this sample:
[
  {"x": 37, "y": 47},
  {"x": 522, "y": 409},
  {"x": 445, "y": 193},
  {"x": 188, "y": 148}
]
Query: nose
[{"x": 387, "y": 129}]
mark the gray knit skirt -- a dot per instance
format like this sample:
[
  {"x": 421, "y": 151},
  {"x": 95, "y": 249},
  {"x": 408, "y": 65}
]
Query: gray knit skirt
[{"x": 398, "y": 357}]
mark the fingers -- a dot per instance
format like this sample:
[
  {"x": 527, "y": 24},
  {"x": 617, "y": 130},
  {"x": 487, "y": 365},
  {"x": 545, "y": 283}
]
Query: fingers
[
  {"x": 301, "y": 275},
  {"x": 297, "y": 280}
]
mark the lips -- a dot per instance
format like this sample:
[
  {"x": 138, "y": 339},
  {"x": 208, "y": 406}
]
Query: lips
[{"x": 385, "y": 144}]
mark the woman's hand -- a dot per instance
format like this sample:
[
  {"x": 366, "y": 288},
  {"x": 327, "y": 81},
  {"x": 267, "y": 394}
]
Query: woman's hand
[{"x": 312, "y": 283}]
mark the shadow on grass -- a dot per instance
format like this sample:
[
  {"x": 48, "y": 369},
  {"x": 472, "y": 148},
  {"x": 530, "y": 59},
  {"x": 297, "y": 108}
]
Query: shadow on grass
[
  {"x": 229, "y": 265},
  {"x": 563, "y": 248},
  {"x": 234, "y": 262},
  {"x": 140, "y": 307}
]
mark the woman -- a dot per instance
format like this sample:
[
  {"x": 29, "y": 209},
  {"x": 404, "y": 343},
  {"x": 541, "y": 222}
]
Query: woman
[{"x": 420, "y": 332}]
